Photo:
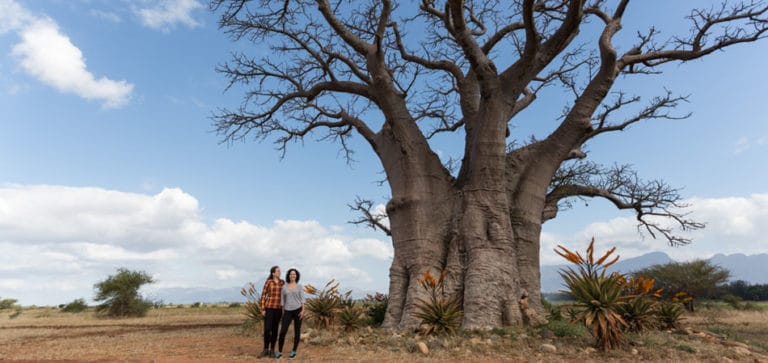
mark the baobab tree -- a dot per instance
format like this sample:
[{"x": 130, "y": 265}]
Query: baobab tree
[{"x": 399, "y": 74}]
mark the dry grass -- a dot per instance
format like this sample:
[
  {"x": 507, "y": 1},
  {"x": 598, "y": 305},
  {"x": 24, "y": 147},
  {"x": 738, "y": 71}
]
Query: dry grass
[{"x": 214, "y": 334}]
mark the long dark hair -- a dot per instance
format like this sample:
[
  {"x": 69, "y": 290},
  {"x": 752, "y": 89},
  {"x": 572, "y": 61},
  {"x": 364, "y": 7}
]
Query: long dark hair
[
  {"x": 272, "y": 272},
  {"x": 298, "y": 275}
]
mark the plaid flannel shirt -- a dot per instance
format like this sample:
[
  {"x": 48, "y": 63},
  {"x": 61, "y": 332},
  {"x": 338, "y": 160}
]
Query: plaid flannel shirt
[{"x": 270, "y": 295}]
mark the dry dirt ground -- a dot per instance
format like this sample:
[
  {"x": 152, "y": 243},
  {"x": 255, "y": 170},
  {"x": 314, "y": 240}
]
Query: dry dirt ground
[{"x": 215, "y": 334}]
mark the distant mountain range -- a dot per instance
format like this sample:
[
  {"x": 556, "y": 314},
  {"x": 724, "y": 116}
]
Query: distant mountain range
[{"x": 750, "y": 268}]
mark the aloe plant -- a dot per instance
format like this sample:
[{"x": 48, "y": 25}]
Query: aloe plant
[{"x": 598, "y": 295}]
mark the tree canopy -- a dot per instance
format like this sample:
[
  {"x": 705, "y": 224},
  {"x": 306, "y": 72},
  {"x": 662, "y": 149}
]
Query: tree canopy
[
  {"x": 120, "y": 293},
  {"x": 698, "y": 278}
]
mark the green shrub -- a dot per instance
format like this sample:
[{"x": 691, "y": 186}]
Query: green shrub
[
  {"x": 442, "y": 314},
  {"x": 234, "y": 305},
  {"x": 669, "y": 314},
  {"x": 598, "y": 295},
  {"x": 120, "y": 293},
  {"x": 351, "y": 317},
  {"x": 564, "y": 329},
  {"x": 553, "y": 312},
  {"x": 376, "y": 306},
  {"x": 733, "y": 301},
  {"x": 639, "y": 309},
  {"x": 76, "y": 306},
  {"x": 323, "y": 306}
]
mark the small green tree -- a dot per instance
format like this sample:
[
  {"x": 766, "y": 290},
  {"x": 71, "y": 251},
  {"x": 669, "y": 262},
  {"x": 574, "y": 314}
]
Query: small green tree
[
  {"x": 8, "y": 304},
  {"x": 698, "y": 278},
  {"x": 76, "y": 306},
  {"x": 120, "y": 294}
]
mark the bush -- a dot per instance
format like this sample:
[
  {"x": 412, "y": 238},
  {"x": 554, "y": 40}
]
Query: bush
[
  {"x": 323, "y": 306},
  {"x": 376, "y": 306},
  {"x": 554, "y": 313},
  {"x": 669, "y": 314},
  {"x": 76, "y": 306},
  {"x": 442, "y": 314},
  {"x": 351, "y": 317},
  {"x": 120, "y": 293},
  {"x": 598, "y": 296},
  {"x": 564, "y": 329},
  {"x": 639, "y": 309}
]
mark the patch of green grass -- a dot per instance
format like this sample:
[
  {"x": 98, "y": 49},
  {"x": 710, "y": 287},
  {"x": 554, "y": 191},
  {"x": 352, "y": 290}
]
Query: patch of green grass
[
  {"x": 564, "y": 329},
  {"x": 685, "y": 348}
]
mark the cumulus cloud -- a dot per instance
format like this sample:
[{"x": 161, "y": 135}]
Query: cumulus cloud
[
  {"x": 81, "y": 234},
  {"x": 169, "y": 13},
  {"x": 733, "y": 225},
  {"x": 50, "y": 56}
]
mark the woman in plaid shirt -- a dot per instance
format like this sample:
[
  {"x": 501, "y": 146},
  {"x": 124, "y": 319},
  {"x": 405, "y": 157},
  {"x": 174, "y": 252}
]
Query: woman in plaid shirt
[{"x": 271, "y": 309}]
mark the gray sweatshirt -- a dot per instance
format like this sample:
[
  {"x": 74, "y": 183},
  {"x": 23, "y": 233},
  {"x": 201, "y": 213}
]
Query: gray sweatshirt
[{"x": 292, "y": 298}]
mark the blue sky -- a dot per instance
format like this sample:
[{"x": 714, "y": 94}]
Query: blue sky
[{"x": 108, "y": 158}]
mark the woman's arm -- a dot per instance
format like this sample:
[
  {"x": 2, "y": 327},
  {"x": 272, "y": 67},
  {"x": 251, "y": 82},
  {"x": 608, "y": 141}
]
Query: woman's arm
[{"x": 263, "y": 299}]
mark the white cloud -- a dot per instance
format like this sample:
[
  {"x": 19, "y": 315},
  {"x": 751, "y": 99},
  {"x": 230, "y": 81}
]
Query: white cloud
[
  {"x": 229, "y": 274},
  {"x": 12, "y": 16},
  {"x": 78, "y": 235},
  {"x": 48, "y": 55},
  {"x": 106, "y": 15},
  {"x": 733, "y": 225},
  {"x": 745, "y": 143},
  {"x": 169, "y": 13},
  {"x": 372, "y": 247},
  {"x": 742, "y": 144}
]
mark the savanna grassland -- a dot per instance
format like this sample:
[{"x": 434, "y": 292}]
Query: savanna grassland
[{"x": 217, "y": 334}]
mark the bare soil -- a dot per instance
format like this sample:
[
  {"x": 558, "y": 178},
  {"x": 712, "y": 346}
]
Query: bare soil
[{"x": 216, "y": 334}]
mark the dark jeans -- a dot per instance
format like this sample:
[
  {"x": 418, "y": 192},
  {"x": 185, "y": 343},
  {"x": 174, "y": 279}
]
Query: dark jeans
[
  {"x": 271, "y": 322},
  {"x": 288, "y": 317}
]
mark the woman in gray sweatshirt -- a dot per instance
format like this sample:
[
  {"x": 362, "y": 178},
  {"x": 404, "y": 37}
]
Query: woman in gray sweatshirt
[{"x": 292, "y": 299}]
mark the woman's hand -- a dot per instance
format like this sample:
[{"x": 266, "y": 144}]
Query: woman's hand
[
  {"x": 263, "y": 313},
  {"x": 301, "y": 314}
]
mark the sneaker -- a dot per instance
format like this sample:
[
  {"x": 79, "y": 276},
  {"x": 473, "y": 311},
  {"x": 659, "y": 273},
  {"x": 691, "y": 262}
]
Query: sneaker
[
  {"x": 264, "y": 353},
  {"x": 278, "y": 355},
  {"x": 292, "y": 355}
]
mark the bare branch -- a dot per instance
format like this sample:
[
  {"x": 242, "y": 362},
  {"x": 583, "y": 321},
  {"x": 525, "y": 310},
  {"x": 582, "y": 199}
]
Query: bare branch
[
  {"x": 444, "y": 65},
  {"x": 653, "y": 201},
  {"x": 369, "y": 217},
  {"x": 659, "y": 108},
  {"x": 725, "y": 26}
]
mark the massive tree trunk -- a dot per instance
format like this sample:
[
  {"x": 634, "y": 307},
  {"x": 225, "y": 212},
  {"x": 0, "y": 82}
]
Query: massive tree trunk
[
  {"x": 490, "y": 253},
  {"x": 482, "y": 229}
]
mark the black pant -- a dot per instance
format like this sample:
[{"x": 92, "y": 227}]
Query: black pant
[
  {"x": 271, "y": 322},
  {"x": 291, "y": 315}
]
